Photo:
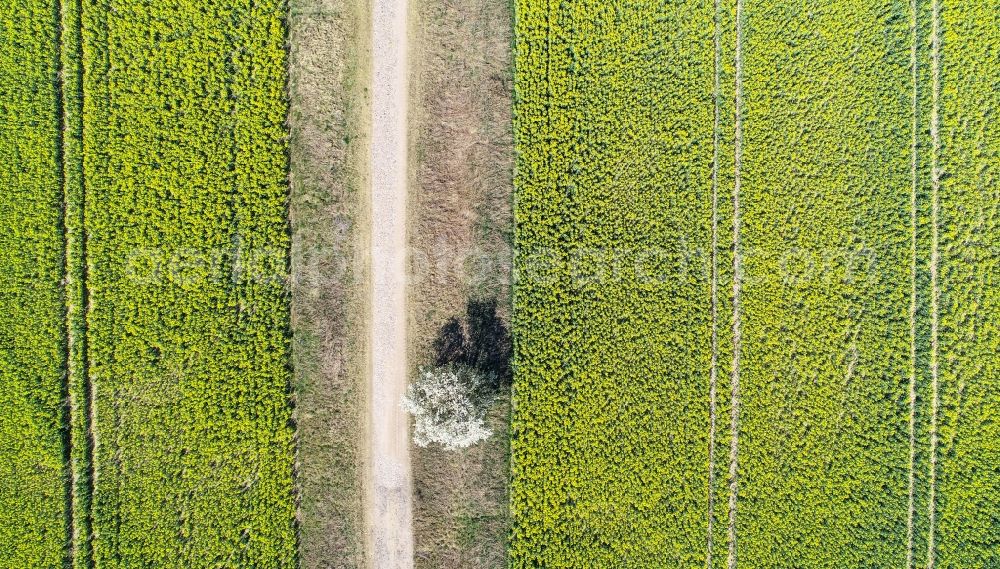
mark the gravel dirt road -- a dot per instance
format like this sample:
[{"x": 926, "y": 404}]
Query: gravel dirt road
[{"x": 390, "y": 503}]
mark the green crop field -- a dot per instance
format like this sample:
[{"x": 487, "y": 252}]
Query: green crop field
[
  {"x": 184, "y": 182},
  {"x": 613, "y": 306},
  {"x": 966, "y": 152},
  {"x": 32, "y": 331},
  {"x": 826, "y": 194},
  {"x": 756, "y": 245},
  {"x": 145, "y": 371}
]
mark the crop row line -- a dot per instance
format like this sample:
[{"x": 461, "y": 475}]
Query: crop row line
[
  {"x": 911, "y": 507},
  {"x": 935, "y": 258},
  {"x": 69, "y": 473},
  {"x": 737, "y": 286},
  {"x": 79, "y": 436},
  {"x": 935, "y": 292},
  {"x": 713, "y": 369}
]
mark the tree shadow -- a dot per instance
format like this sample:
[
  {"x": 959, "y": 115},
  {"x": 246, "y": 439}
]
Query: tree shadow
[
  {"x": 451, "y": 345},
  {"x": 481, "y": 341}
]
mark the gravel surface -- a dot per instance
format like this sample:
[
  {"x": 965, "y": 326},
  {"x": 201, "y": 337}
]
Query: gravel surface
[{"x": 390, "y": 488}]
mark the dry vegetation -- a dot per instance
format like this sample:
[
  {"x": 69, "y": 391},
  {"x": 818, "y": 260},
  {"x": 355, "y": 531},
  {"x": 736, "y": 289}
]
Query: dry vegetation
[
  {"x": 328, "y": 74},
  {"x": 460, "y": 225}
]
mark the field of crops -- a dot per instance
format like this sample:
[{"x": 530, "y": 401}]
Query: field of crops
[
  {"x": 32, "y": 352},
  {"x": 826, "y": 187},
  {"x": 613, "y": 311},
  {"x": 965, "y": 147},
  {"x": 756, "y": 243},
  {"x": 184, "y": 168},
  {"x": 145, "y": 285}
]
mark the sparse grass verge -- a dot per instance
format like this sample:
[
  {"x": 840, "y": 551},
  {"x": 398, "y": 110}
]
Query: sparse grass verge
[
  {"x": 328, "y": 95},
  {"x": 461, "y": 515},
  {"x": 460, "y": 226}
]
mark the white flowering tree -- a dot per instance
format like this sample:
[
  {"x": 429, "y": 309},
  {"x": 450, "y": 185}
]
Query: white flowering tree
[{"x": 449, "y": 407}]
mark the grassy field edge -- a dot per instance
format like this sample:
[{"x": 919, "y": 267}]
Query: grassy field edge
[{"x": 328, "y": 93}]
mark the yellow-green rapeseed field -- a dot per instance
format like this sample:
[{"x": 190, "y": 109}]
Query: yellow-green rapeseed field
[
  {"x": 33, "y": 503},
  {"x": 756, "y": 249}
]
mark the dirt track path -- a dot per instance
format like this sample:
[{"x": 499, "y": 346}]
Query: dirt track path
[{"x": 389, "y": 489}]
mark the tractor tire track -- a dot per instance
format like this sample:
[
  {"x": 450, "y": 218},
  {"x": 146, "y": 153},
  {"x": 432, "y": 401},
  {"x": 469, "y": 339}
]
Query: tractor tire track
[
  {"x": 935, "y": 260},
  {"x": 714, "y": 366},
  {"x": 737, "y": 290},
  {"x": 911, "y": 508},
  {"x": 80, "y": 441}
]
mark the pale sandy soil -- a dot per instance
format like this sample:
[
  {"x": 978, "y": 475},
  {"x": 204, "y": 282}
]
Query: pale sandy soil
[{"x": 390, "y": 489}]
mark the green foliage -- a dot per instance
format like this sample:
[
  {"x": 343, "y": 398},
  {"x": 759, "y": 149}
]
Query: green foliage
[
  {"x": 614, "y": 123},
  {"x": 967, "y": 533},
  {"x": 826, "y": 178},
  {"x": 184, "y": 156},
  {"x": 610, "y": 429},
  {"x": 32, "y": 484}
]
